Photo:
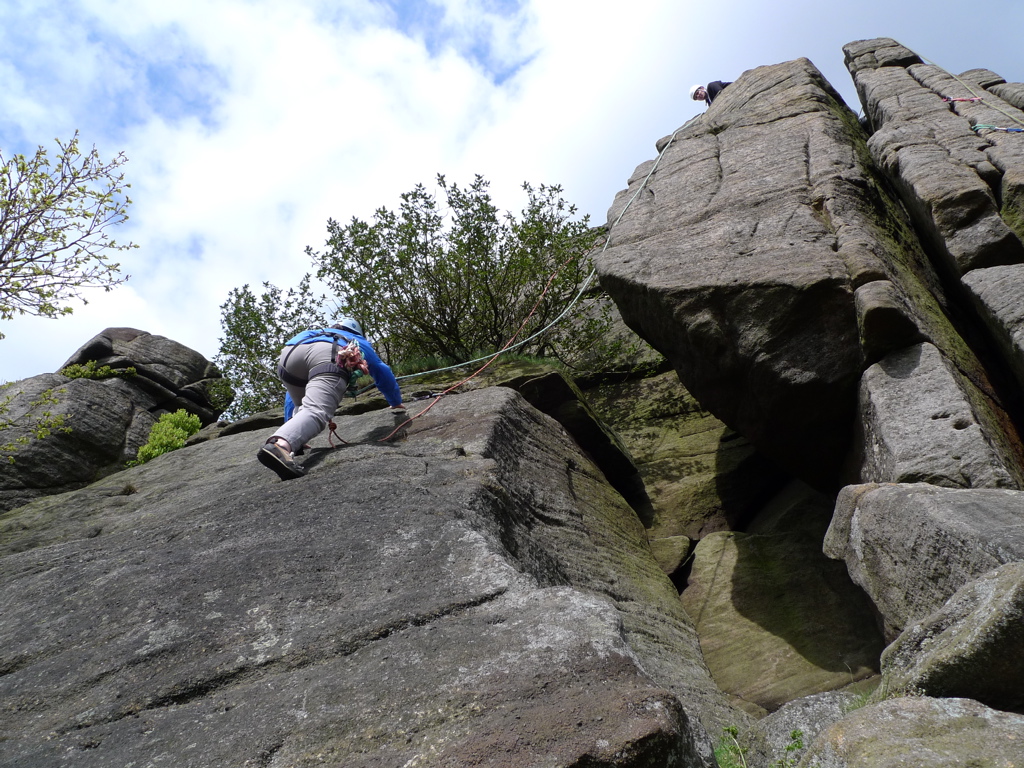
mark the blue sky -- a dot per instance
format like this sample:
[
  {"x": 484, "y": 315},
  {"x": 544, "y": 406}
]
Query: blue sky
[{"x": 248, "y": 123}]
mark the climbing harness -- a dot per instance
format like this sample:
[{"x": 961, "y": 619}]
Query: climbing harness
[{"x": 334, "y": 367}]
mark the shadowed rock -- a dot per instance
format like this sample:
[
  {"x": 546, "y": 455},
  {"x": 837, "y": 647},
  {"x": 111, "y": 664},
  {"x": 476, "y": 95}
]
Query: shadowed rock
[
  {"x": 776, "y": 619},
  {"x": 910, "y": 547}
]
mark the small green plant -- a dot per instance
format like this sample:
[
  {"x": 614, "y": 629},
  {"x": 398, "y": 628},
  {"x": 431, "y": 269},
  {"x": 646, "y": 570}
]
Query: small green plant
[
  {"x": 168, "y": 434},
  {"x": 796, "y": 742},
  {"x": 92, "y": 370},
  {"x": 40, "y": 425},
  {"x": 729, "y": 753}
]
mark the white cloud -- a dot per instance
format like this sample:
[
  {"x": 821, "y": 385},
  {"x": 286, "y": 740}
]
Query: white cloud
[{"x": 248, "y": 122}]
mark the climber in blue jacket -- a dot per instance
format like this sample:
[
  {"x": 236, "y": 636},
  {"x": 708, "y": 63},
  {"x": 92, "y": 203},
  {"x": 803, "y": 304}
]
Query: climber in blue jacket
[{"x": 316, "y": 377}]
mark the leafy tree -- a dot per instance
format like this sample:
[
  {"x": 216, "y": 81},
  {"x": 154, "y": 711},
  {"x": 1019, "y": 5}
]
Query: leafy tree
[
  {"x": 39, "y": 424},
  {"x": 53, "y": 222},
  {"x": 436, "y": 280},
  {"x": 458, "y": 280},
  {"x": 255, "y": 328}
]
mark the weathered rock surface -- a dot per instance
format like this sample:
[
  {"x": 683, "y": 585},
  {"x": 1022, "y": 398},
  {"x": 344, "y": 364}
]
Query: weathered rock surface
[
  {"x": 969, "y": 648},
  {"x": 700, "y": 475},
  {"x": 173, "y": 375},
  {"x": 107, "y": 419},
  {"x": 944, "y": 170},
  {"x": 738, "y": 262},
  {"x": 963, "y": 185},
  {"x": 996, "y": 293},
  {"x": 496, "y": 604},
  {"x": 918, "y": 426},
  {"x": 911, "y": 547},
  {"x": 777, "y": 620},
  {"x": 771, "y": 739},
  {"x": 918, "y": 731},
  {"x": 771, "y": 278}
]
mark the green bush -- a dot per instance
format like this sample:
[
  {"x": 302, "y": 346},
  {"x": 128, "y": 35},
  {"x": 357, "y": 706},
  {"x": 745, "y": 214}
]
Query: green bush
[
  {"x": 89, "y": 370},
  {"x": 168, "y": 434}
]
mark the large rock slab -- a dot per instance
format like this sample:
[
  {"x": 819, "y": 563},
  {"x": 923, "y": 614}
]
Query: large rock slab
[
  {"x": 777, "y": 621},
  {"x": 911, "y": 547},
  {"x": 473, "y": 594},
  {"x": 918, "y": 731},
  {"x": 969, "y": 648},
  {"x": 739, "y": 258},
  {"x": 103, "y": 427},
  {"x": 918, "y": 426}
]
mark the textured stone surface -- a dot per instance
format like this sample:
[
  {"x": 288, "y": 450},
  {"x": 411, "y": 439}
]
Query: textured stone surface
[
  {"x": 997, "y": 296},
  {"x": 735, "y": 262},
  {"x": 911, "y": 547},
  {"x": 886, "y": 323},
  {"x": 776, "y": 619},
  {"x": 919, "y": 427},
  {"x": 474, "y": 593},
  {"x": 943, "y": 170},
  {"x": 879, "y": 52},
  {"x": 1011, "y": 93},
  {"x": 1003, "y": 150},
  {"x": 771, "y": 738},
  {"x": 175, "y": 375},
  {"x": 970, "y": 648},
  {"x": 109, "y": 419},
  {"x": 916, "y": 732},
  {"x": 700, "y": 475},
  {"x": 107, "y": 426}
]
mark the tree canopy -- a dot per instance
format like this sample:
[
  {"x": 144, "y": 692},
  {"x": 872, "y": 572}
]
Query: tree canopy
[
  {"x": 458, "y": 279},
  {"x": 54, "y": 218},
  {"x": 446, "y": 277}
]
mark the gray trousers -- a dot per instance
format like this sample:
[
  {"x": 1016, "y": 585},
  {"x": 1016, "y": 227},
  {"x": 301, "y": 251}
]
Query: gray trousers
[{"x": 315, "y": 403}]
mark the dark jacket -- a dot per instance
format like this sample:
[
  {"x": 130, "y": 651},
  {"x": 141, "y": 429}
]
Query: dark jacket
[{"x": 714, "y": 88}]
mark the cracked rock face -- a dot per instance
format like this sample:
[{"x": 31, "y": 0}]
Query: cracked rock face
[
  {"x": 476, "y": 591},
  {"x": 739, "y": 258},
  {"x": 108, "y": 420}
]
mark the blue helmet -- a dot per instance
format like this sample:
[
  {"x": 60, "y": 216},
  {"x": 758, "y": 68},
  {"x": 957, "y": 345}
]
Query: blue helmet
[{"x": 349, "y": 324}]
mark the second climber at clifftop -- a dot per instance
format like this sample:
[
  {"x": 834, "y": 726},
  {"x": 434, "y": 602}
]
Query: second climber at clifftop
[{"x": 709, "y": 92}]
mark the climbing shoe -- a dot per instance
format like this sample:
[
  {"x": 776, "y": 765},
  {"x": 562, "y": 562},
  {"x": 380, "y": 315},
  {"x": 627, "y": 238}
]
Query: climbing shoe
[{"x": 278, "y": 459}]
